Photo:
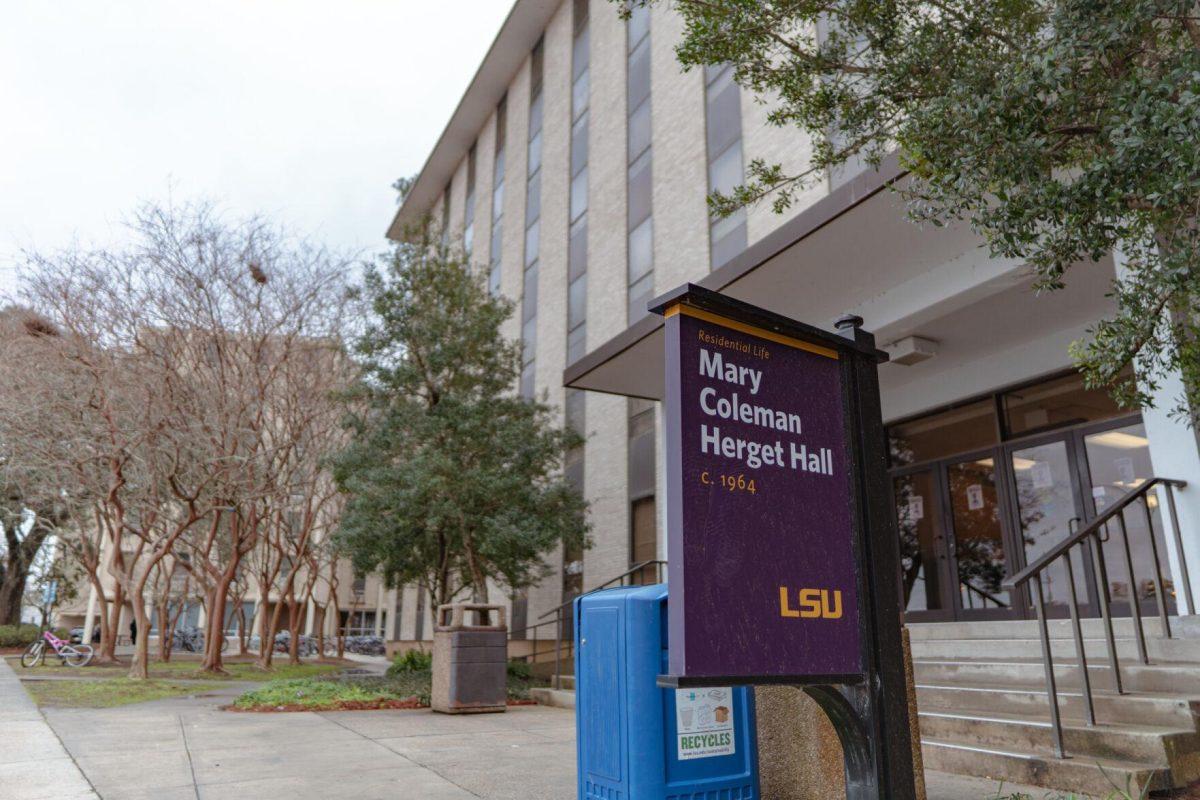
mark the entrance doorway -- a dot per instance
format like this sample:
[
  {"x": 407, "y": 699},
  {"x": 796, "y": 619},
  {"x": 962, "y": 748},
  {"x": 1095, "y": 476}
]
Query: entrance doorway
[{"x": 967, "y": 520}]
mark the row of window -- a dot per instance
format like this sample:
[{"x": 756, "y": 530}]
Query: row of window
[{"x": 727, "y": 235}]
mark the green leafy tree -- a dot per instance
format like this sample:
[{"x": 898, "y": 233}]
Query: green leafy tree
[
  {"x": 1061, "y": 130},
  {"x": 451, "y": 478}
]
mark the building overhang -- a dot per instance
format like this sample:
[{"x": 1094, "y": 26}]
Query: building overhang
[
  {"x": 774, "y": 273},
  {"x": 512, "y": 45}
]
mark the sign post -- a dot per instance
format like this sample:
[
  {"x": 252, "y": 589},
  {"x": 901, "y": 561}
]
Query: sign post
[{"x": 783, "y": 559}]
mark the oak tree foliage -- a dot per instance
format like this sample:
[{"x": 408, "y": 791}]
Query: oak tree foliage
[{"x": 1061, "y": 130}]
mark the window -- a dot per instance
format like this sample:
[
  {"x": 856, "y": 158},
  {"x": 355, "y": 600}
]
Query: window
[
  {"x": 577, "y": 232},
  {"x": 1054, "y": 404},
  {"x": 533, "y": 214},
  {"x": 639, "y": 179},
  {"x": 469, "y": 212},
  {"x": 723, "y": 119},
  {"x": 497, "y": 239},
  {"x": 968, "y": 427},
  {"x": 643, "y": 544}
]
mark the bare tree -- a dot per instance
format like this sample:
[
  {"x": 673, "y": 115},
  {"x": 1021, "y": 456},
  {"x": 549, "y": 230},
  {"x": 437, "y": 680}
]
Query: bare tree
[{"x": 181, "y": 341}]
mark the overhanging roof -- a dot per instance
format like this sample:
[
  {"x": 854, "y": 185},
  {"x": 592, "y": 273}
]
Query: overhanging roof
[
  {"x": 631, "y": 363},
  {"x": 512, "y": 45}
]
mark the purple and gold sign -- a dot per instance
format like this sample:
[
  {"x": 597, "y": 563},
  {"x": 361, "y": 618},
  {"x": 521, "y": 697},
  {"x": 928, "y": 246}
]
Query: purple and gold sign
[{"x": 763, "y": 580}]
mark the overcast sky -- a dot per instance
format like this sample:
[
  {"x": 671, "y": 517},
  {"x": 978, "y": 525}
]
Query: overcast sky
[{"x": 303, "y": 110}]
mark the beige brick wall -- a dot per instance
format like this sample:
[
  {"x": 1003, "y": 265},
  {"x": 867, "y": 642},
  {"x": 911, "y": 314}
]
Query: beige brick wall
[
  {"x": 680, "y": 234},
  {"x": 485, "y": 161},
  {"x": 552, "y": 263},
  {"x": 516, "y": 157},
  {"x": 786, "y": 146},
  {"x": 680, "y": 160},
  {"x": 605, "y": 470}
]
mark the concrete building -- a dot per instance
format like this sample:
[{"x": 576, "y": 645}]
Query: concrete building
[{"x": 575, "y": 170}]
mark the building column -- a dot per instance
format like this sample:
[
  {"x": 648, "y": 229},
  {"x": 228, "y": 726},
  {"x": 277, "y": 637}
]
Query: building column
[
  {"x": 308, "y": 618},
  {"x": 379, "y": 610},
  {"x": 1174, "y": 453},
  {"x": 394, "y": 604}
]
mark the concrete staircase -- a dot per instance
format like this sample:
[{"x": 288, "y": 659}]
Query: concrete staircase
[{"x": 984, "y": 711}]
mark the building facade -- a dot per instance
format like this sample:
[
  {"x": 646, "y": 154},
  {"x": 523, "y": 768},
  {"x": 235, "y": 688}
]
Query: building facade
[{"x": 575, "y": 172}]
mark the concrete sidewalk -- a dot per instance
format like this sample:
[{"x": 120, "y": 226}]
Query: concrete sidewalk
[
  {"x": 189, "y": 749},
  {"x": 34, "y": 764}
]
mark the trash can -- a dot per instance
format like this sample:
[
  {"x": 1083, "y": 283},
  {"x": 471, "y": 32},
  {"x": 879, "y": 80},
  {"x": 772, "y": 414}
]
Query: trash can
[
  {"x": 641, "y": 742},
  {"x": 470, "y": 662}
]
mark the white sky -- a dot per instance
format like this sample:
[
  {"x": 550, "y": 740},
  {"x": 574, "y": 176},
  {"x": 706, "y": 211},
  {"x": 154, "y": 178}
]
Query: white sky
[{"x": 304, "y": 110}]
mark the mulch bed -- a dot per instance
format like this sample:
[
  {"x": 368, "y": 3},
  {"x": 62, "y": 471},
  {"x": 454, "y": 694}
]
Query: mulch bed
[{"x": 410, "y": 704}]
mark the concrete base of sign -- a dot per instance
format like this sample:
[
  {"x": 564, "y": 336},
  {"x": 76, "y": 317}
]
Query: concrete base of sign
[
  {"x": 914, "y": 723},
  {"x": 799, "y": 755}
]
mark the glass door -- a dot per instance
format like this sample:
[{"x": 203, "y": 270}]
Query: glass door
[
  {"x": 1118, "y": 461},
  {"x": 1048, "y": 508},
  {"x": 924, "y": 562},
  {"x": 980, "y": 561}
]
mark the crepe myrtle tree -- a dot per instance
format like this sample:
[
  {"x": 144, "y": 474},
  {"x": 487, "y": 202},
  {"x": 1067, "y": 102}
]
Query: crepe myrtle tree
[
  {"x": 1060, "y": 130},
  {"x": 452, "y": 480}
]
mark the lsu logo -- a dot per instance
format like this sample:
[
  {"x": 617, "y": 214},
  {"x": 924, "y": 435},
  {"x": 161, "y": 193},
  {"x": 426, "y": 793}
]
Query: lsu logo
[{"x": 813, "y": 604}]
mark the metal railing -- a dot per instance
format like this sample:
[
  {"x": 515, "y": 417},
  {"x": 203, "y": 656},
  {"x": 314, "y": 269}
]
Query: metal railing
[
  {"x": 985, "y": 597},
  {"x": 631, "y": 577},
  {"x": 1091, "y": 539}
]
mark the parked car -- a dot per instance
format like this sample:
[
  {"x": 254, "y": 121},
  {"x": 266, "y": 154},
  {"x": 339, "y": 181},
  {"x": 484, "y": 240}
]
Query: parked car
[{"x": 76, "y": 636}]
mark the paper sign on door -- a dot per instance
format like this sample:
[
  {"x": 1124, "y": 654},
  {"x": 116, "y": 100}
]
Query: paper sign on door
[{"x": 974, "y": 497}]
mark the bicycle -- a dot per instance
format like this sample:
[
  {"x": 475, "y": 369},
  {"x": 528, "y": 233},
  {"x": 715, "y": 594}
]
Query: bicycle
[{"x": 72, "y": 655}]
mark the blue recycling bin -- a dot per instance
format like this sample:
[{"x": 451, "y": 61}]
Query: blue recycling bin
[{"x": 637, "y": 741}]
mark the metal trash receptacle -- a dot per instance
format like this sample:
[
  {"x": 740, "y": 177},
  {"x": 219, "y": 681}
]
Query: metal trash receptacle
[
  {"x": 641, "y": 742},
  {"x": 470, "y": 662}
]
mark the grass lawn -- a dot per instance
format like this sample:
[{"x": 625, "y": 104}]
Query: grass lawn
[
  {"x": 400, "y": 689},
  {"x": 187, "y": 668},
  {"x": 109, "y": 692},
  {"x": 314, "y": 694}
]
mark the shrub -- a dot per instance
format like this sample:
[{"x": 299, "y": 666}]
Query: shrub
[
  {"x": 411, "y": 661},
  {"x": 18, "y": 635},
  {"x": 520, "y": 670}
]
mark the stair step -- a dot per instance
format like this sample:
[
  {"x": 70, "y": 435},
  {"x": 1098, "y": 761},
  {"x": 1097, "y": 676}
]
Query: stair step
[
  {"x": 1098, "y": 777},
  {"x": 1136, "y": 743},
  {"x": 1181, "y": 679},
  {"x": 1093, "y": 628},
  {"x": 1096, "y": 648},
  {"x": 1136, "y": 708}
]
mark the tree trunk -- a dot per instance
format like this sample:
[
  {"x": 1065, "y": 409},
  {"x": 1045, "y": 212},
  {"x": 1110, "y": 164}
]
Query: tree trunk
[
  {"x": 266, "y": 629},
  {"x": 113, "y": 625},
  {"x": 12, "y": 590},
  {"x": 294, "y": 628},
  {"x": 139, "y": 670},
  {"x": 212, "y": 645}
]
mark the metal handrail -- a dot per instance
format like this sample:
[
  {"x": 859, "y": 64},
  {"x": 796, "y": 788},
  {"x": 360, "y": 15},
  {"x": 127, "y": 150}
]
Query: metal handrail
[
  {"x": 1055, "y": 552},
  {"x": 1090, "y": 537},
  {"x": 559, "y": 610},
  {"x": 985, "y": 595},
  {"x": 611, "y": 582}
]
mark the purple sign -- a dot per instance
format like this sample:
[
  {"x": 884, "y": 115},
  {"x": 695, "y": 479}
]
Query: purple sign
[{"x": 763, "y": 581}]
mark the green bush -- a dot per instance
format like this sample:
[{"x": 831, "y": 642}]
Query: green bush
[
  {"x": 18, "y": 635},
  {"x": 520, "y": 670},
  {"x": 411, "y": 661}
]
